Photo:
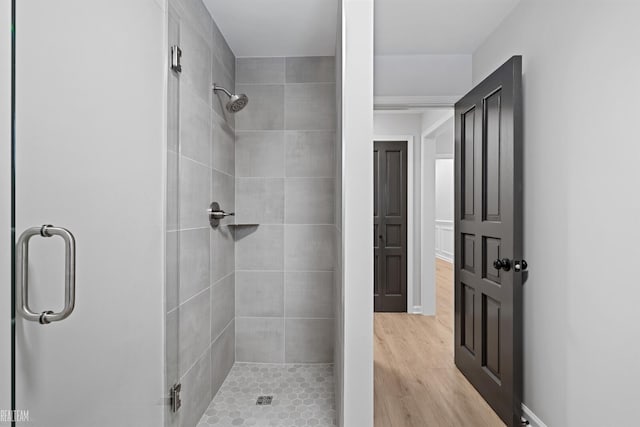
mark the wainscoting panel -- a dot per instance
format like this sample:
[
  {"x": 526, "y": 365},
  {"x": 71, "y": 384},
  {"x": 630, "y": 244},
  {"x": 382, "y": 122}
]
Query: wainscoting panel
[{"x": 444, "y": 240}]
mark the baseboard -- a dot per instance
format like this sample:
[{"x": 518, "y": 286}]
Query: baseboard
[
  {"x": 445, "y": 257},
  {"x": 528, "y": 415},
  {"x": 417, "y": 309}
]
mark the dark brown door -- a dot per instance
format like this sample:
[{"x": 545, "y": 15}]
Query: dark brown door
[
  {"x": 488, "y": 227},
  {"x": 390, "y": 226}
]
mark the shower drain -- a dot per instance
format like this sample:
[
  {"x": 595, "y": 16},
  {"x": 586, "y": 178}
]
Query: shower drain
[{"x": 264, "y": 400}]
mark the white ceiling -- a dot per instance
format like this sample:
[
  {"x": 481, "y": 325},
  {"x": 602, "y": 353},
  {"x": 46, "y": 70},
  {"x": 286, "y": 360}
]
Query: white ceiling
[
  {"x": 412, "y": 27},
  {"x": 402, "y": 27},
  {"x": 277, "y": 27}
]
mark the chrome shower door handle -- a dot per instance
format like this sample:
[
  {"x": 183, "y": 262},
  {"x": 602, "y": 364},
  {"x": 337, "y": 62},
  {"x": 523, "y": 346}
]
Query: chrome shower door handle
[{"x": 22, "y": 274}]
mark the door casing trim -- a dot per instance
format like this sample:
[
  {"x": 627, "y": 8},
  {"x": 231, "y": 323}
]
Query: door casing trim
[{"x": 427, "y": 275}]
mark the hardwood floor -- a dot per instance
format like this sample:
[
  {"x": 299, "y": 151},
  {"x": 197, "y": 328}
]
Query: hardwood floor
[
  {"x": 444, "y": 293},
  {"x": 416, "y": 382}
]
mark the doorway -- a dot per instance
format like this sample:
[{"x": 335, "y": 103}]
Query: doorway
[
  {"x": 477, "y": 357},
  {"x": 422, "y": 342}
]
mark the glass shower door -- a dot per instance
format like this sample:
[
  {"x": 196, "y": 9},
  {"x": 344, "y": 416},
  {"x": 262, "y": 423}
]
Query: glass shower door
[{"x": 88, "y": 344}]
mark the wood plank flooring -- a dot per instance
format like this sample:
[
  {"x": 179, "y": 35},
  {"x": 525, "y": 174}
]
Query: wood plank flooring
[{"x": 416, "y": 383}]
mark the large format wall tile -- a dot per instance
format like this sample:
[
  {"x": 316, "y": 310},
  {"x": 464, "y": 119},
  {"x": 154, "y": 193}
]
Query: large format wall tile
[
  {"x": 309, "y": 200},
  {"x": 222, "y": 252},
  {"x": 195, "y": 184},
  {"x": 223, "y": 192},
  {"x": 260, "y": 248},
  {"x": 222, "y": 305},
  {"x": 309, "y": 294},
  {"x": 309, "y": 247},
  {"x": 265, "y": 110},
  {"x": 310, "y": 154},
  {"x": 260, "y": 200},
  {"x": 221, "y": 77},
  {"x": 310, "y": 106},
  {"x": 196, "y": 63},
  {"x": 223, "y": 150},
  {"x": 219, "y": 101},
  {"x": 259, "y": 339},
  {"x": 196, "y": 394},
  {"x": 223, "y": 51},
  {"x": 194, "y": 262},
  {"x": 195, "y": 127},
  {"x": 223, "y": 355},
  {"x": 220, "y": 74},
  {"x": 259, "y": 294},
  {"x": 285, "y": 177},
  {"x": 309, "y": 341},
  {"x": 311, "y": 69},
  {"x": 260, "y": 154},
  {"x": 194, "y": 14},
  {"x": 195, "y": 336},
  {"x": 260, "y": 70}
]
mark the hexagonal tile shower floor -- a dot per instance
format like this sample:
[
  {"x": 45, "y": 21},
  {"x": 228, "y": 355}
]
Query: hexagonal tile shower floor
[{"x": 302, "y": 396}]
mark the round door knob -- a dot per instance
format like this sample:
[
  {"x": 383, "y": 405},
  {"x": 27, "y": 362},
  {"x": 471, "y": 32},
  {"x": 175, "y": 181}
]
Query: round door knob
[{"x": 502, "y": 264}]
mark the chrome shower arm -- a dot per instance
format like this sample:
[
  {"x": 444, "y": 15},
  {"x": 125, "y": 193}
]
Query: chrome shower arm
[{"x": 217, "y": 88}]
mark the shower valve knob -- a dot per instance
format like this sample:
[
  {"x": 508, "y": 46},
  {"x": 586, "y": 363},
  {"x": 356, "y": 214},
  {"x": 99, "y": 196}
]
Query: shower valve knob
[
  {"x": 216, "y": 214},
  {"x": 220, "y": 214}
]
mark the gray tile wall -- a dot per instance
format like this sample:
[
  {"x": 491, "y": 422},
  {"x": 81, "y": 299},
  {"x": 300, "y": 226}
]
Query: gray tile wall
[
  {"x": 201, "y": 169},
  {"x": 285, "y": 182}
]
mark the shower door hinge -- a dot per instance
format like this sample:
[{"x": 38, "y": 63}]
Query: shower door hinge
[
  {"x": 176, "y": 54},
  {"x": 174, "y": 397}
]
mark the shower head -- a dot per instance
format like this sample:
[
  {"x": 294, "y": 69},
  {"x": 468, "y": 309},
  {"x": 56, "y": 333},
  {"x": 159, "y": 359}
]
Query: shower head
[{"x": 236, "y": 102}]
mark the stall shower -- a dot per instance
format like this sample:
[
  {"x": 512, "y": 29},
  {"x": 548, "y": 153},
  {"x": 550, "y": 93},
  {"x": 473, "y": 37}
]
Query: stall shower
[
  {"x": 176, "y": 205},
  {"x": 250, "y": 232}
]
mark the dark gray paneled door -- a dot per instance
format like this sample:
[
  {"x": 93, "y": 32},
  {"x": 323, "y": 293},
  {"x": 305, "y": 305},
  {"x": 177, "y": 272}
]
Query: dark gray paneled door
[
  {"x": 390, "y": 225},
  {"x": 488, "y": 227}
]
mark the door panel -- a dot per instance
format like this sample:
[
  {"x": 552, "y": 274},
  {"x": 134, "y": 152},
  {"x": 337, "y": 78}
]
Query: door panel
[
  {"x": 467, "y": 152},
  {"x": 488, "y": 296},
  {"x": 390, "y": 226},
  {"x": 89, "y": 157},
  {"x": 491, "y": 158},
  {"x": 468, "y": 303},
  {"x": 467, "y": 252},
  {"x": 491, "y": 252}
]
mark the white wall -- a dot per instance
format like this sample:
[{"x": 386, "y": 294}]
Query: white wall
[
  {"x": 422, "y": 75},
  {"x": 581, "y": 90},
  {"x": 5, "y": 206},
  {"x": 445, "y": 140},
  {"x": 432, "y": 122},
  {"x": 434, "y": 118},
  {"x": 444, "y": 209},
  {"x": 444, "y": 189},
  {"x": 357, "y": 211},
  {"x": 401, "y": 124}
]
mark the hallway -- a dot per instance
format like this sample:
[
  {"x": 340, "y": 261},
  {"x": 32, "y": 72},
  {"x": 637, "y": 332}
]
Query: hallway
[{"x": 416, "y": 382}]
